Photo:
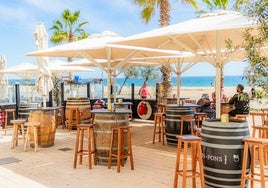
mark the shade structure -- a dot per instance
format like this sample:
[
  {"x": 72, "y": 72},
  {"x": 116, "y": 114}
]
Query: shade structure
[
  {"x": 28, "y": 71},
  {"x": 101, "y": 47},
  {"x": 205, "y": 37},
  {"x": 3, "y": 79},
  {"x": 44, "y": 82}
]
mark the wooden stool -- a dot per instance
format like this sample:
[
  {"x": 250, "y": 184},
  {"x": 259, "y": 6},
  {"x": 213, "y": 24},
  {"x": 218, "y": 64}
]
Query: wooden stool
[
  {"x": 200, "y": 116},
  {"x": 196, "y": 155},
  {"x": 158, "y": 122},
  {"x": 261, "y": 127},
  {"x": 7, "y": 112},
  {"x": 259, "y": 144},
  {"x": 72, "y": 117},
  {"x": 241, "y": 116},
  {"x": 61, "y": 116},
  {"x": 79, "y": 150},
  {"x": 34, "y": 126},
  {"x": 17, "y": 123},
  {"x": 121, "y": 153},
  {"x": 198, "y": 131},
  {"x": 186, "y": 118}
]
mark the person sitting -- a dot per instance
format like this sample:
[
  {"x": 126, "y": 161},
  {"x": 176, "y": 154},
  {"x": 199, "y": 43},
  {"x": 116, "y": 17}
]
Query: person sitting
[
  {"x": 206, "y": 107},
  {"x": 240, "y": 100}
]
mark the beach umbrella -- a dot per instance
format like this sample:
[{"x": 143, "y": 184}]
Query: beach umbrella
[
  {"x": 100, "y": 47},
  {"x": 204, "y": 36},
  {"x": 28, "y": 71},
  {"x": 3, "y": 78},
  {"x": 44, "y": 82}
]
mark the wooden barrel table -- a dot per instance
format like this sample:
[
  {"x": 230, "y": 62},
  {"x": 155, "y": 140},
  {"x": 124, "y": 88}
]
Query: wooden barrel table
[
  {"x": 47, "y": 130},
  {"x": 104, "y": 122},
  {"x": 84, "y": 107},
  {"x": 173, "y": 122},
  {"x": 222, "y": 151}
]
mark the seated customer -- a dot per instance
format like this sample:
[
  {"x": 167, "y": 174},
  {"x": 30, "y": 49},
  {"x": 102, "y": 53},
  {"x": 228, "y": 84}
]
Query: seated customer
[{"x": 240, "y": 101}]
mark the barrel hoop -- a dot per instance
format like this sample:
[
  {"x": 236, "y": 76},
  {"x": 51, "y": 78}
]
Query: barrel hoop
[
  {"x": 222, "y": 171},
  {"x": 226, "y": 129},
  {"x": 219, "y": 185},
  {"x": 110, "y": 121},
  {"x": 103, "y": 131},
  {"x": 224, "y": 137},
  {"x": 222, "y": 146},
  {"x": 102, "y": 148}
]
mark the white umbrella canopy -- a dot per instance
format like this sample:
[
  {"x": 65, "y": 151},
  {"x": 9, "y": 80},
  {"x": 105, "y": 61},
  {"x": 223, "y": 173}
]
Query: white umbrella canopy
[
  {"x": 28, "y": 71},
  {"x": 44, "y": 82},
  {"x": 205, "y": 37},
  {"x": 100, "y": 47},
  {"x": 3, "y": 79}
]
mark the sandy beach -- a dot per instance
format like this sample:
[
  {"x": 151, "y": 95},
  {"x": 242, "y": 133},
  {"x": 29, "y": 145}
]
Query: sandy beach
[{"x": 194, "y": 93}]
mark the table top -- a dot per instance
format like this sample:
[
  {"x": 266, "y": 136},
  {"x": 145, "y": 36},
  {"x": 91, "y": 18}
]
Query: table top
[{"x": 106, "y": 111}]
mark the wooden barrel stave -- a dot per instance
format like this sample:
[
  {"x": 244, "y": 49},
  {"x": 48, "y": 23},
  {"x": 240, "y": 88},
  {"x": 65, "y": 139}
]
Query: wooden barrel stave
[
  {"x": 173, "y": 122},
  {"x": 222, "y": 148},
  {"x": 103, "y": 130},
  {"x": 46, "y": 132},
  {"x": 83, "y": 105}
]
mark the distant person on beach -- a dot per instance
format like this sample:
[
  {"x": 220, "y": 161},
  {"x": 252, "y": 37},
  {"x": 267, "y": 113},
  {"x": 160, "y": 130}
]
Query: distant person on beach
[
  {"x": 144, "y": 91},
  {"x": 240, "y": 101}
]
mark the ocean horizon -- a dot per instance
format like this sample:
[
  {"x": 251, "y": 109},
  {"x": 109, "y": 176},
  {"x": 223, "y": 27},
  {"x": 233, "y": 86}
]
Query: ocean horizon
[{"x": 186, "y": 81}]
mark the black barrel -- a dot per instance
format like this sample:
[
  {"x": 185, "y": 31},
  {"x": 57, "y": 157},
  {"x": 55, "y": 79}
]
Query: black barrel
[
  {"x": 24, "y": 109},
  {"x": 222, "y": 149},
  {"x": 173, "y": 122}
]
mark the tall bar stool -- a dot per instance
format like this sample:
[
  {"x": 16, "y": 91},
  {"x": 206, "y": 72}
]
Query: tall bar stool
[
  {"x": 257, "y": 144},
  {"x": 196, "y": 156},
  {"x": 33, "y": 126},
  {"x": 17, "y": 123},
  {"x": 241, "y": 116},
  {"x": 79, "y": 145},
  {"x": 7, "y": 112},
  {"x": 159, "y": 124},
  {"x": 186, "y": 118},
  {"x": 258, "y": 127},
  {"x": 121, "y": 153},
  {"x": 72, "y": 115},
  {"x": 199, "y": 117}
]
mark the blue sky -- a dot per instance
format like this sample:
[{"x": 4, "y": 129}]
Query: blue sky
[{"x": 18, "y": 19}]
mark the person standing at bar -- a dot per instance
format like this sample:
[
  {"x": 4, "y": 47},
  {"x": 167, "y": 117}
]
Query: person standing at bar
[{"x": 240, "y": 100}]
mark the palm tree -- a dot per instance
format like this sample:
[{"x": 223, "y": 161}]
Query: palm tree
[
  {"x": 69, "y": 28},
  {"x": 223, "y": 4},
  {"x": 148, "y": 8}
]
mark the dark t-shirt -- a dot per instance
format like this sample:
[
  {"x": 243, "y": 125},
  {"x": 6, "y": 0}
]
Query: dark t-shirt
[{"x": 241, "y": 102}]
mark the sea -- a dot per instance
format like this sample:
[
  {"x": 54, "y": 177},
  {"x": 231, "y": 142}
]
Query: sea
[{"x": 187, "y": 81}]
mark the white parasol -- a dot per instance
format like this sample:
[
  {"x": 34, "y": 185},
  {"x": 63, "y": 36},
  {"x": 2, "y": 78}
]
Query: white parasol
[
  {"x": 44, "y": 82},
  {"x": 100, "y": 47},
  {"x": 205, "y": 37},
  {"x": 3, "y": 78}
]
